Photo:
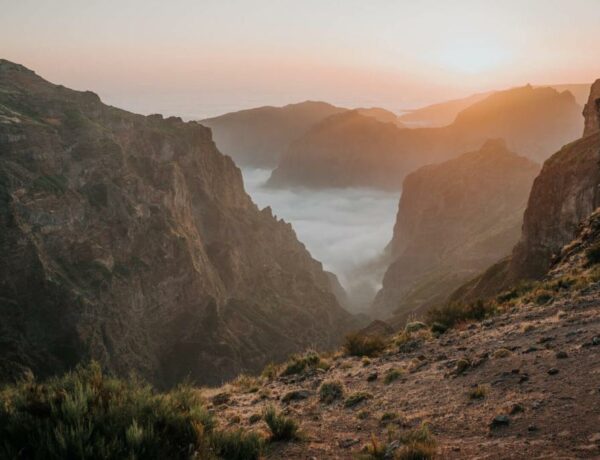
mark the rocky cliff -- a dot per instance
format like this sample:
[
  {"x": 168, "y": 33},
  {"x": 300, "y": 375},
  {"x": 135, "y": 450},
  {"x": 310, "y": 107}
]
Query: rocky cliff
[
  {"x": 454, "y": 220},
  {"x": 565, "y": 192},
  {"x": 131, "y": 240},
  {"x": 346, "y": 150}
]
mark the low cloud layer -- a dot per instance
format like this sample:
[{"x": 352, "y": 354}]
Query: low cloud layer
[{"x": 346, "y": 229}]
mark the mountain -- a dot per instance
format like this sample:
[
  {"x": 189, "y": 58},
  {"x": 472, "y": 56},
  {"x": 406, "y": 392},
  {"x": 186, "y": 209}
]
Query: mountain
[
  {"x": 383, "y": 115},
  {"x": 130, "y": 240},
  {"x": 440, "y": 114},
  {"x": 565, "y": 192},
  {"x": 257, "y": 137},
  {"x": 348, "y": 150},
  {"x": 454, "y": 220},
  {"x": 444, "y": 113}
]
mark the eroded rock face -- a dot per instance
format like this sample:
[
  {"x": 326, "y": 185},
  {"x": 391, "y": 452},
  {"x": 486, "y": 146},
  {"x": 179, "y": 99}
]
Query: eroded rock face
[
  {"x": 591, "y": 112},
  {"x": 454, "y": 220},
  {"x": 131, "y": 240}
]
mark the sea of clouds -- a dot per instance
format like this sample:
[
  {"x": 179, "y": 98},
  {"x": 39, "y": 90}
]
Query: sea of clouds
[{"x": 346, "y": 229}]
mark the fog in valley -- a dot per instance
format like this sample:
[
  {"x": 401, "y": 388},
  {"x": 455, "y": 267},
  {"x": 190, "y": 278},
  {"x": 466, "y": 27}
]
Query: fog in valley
[{"x": 346, "y": 229}]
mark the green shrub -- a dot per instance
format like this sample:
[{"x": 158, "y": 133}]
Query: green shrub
[
  {"x": 282, "y": 428},
  {"x": 454, "y": 313},
  {"x": 85, "y": 414},
  {"x": 391, "y": 375},
  {"x": 330, "y": 391},
  {"x": 357, "y": 344},
  {"x": 302, "y": 363},
  {"x": 237, "y": 445},
  {"x": 357, "y": 398}
]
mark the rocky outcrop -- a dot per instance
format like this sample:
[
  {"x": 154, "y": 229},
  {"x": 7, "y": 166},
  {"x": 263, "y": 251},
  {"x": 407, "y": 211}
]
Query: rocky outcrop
[
  {"x": 454, "y": 220},
  {"x": 565, "y": 193},
  {"x": 591, "y": 112},
  {"x": 349, "y": 150},
  {"x": 130, "y": 240}
]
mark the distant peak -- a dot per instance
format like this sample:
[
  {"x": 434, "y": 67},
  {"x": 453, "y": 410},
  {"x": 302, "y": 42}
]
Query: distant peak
[{"x": 494, "y": 145}]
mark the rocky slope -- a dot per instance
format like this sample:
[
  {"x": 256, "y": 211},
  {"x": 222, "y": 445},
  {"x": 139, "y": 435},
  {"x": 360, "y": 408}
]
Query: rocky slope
[
  {"x": 565, "y": 193},
  {"x": 257, "y": 137},
  {"x": 131, "y": 240},
  {"x": 454, "y": 220},
  {"x": 520, "y": 384},
  {"x": 352, "y": 151}
]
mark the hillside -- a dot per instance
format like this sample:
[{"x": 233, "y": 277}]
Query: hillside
[
  {"x": 346, "y": 150},
  {"x": 131, "y": 240},
  {"x": 454, "y": 220},
  {"x": 564, "y": 193}
]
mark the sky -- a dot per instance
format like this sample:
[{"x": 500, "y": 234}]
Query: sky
[{"x": 198, "y": 58}]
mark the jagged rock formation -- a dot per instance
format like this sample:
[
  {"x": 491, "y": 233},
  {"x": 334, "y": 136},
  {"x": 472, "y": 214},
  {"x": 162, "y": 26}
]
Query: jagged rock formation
[
  {"x": 454, "y": 220},
  {"x": 565, "y": 193},
  {"x": 347, "y": 150},
  {"x": 258, "y": 137},
  {"x": 131, "y": 240}
]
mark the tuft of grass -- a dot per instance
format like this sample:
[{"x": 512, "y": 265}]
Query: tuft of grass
[
  {"x": 357, "y": 344},
  {"x": 237, "y": 445},
  {"x": 418, "y": 444},
  {"x": 356, "y": 398},
  {"x": 454, "y": 313},
  {"x": 387, "y": 417},
  {"x": 479, "y": 392},
  {"x": 391, "y": 375},
  {"x": 331, "y": 391},
  {"x": 282, "y": 428},
  {"x": 247, "y": 383},
  {"x": 299, "y": 364},
  {"x": 270, "y": 371}
]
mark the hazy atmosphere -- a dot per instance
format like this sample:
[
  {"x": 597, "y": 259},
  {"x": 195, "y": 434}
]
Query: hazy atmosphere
[{"x": 320, "y": 229}]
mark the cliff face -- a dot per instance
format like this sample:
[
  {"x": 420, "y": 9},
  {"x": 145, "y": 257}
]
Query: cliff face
[
  {"x": 565, "y": 192},
  {"x": 258, "y": 137},
  {"x": 346, "y": 151},
  {"x": 454, "y": 220},
  {"x": 131, "y": 240}
]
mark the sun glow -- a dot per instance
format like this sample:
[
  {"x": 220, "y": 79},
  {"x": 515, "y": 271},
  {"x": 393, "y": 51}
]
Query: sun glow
[{"x": 472, "y": 58}]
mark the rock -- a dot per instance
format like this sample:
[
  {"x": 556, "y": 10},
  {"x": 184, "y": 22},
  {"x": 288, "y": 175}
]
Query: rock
[
  {"x": 415, "y": 326},
  {"x": 561, "y": 355},
  {"x": 462, "y": 365},
  {"x": 348, "y": 442},
  {"x": 500, "y": 421},
  {"x": 502, "y": 353},
  {"x": 517, "y": 408},
  {"x": 553, "y": 371},
  {"x": 221, "y": 398},
  {"x": 372, "y": 377},
  {"x": 532, "y": 428},
  {"x": 487, "y": 323}
]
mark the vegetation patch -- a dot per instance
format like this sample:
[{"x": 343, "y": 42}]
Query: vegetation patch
[
  {"x": 392, "y": 375},
  {"x": 418, "y": 444},
  {"x": 357, "y": 344},
  {"x": 453, "y": 313},
  {"x": 56, "y": 184},
  {"x": 86, "y": 414},
  {"x": 299, "y": 364},
  {"x": 282, "y": 428},
  {"x": 331, "y": 391},
  {"x": 356, "y": 398},
  {"x": 479, "y": 392}
]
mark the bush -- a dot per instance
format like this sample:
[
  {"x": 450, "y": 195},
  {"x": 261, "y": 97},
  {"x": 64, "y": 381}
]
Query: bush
[
  {"x": 391, "y": 375},
  {"x": 85, "y": 414},
  {"x": 454, "y": 313},
  {"x": 302, "y": 363},
  {"x": 357, "y": 344},
  {"x": 237, "y": 445},
  {"x": 330, "y": 391},
  {"x": 282, "y": 428},
  {"x": 479, "y": 392},
  {"x": 357, "y": 398},
  {"x": 593, "y": 255}
]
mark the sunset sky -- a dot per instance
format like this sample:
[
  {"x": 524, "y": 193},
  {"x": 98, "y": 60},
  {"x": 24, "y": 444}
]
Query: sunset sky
[{"x": 203, "y": 57}]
